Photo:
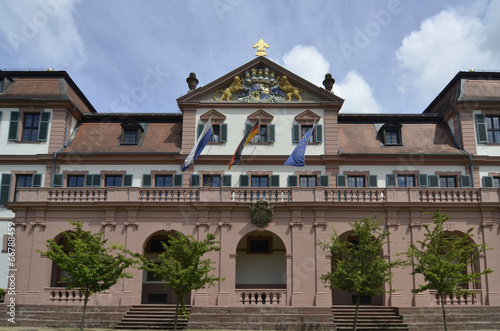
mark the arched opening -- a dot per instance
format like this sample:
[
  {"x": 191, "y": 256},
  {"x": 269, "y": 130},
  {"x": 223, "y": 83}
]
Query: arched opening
[
  {"x": 340, "y": 297},
  {"x": 153, "y": 289},
  {"x": 57, "y": 274},
  {"x": 260, "y": 261}
]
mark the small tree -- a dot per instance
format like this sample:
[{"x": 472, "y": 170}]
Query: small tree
[
  {"x": 181, "y": 267},
  {"x": 91, "y": 267},
  {"x": 358, "y": 266},
  {"x": 444, "y": 259}
]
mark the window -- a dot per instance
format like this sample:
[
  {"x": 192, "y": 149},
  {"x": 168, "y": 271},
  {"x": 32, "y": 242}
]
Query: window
[
  {"x": 260, "y": 181},
  {"x": 392, "y": 137},
  {"x": 163, "y": 180},
  {"x": 30, "y": 126},
  {"x": 493, "y": 129},
  {"x": 496, "y": 181},
  {"x": 308, "y": 181},
  {"x": 131, "y": 133},
  {"x": 356, "y": 181},
  {"x": 130, "y": 137},
  {"x": 76, "y": 180},
  {"x": 114, "y": 180},
  {"x": 262, "y": 136},
  {"x": 406, "y": 181},
  {"x": 259, "y": 245},
  {"x": 28, "y": 180},
  {"x": 448, "y": 181},
  {"x": 215, "y": 133},
  {"x": 211, "y": 180}
]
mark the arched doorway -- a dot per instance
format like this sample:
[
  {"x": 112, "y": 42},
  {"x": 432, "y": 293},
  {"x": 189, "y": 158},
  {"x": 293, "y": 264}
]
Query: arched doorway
[
  {"x": 153, "y": 289},
  {"x": 340, "y": 297},
  {"x": 260, "y": 261}
]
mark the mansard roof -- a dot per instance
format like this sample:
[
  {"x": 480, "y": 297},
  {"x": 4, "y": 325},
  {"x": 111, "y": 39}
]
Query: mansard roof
[
  {"x": 211, "y": 93},
  {"x": 100, "y": 133},
  {"x": 43, "y": 86}
]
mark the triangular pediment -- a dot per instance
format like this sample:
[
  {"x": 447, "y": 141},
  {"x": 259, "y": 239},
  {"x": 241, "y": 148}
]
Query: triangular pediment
[
  {"x": 215, "y": 116},
  {"x": 261, "y": 115},
  {"x": 259, "y": 81},
  {"x": 307, "y": 116}
]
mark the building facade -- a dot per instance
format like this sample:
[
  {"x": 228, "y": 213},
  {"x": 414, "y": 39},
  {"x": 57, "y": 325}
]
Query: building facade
[{"x": 121, "y": 174}]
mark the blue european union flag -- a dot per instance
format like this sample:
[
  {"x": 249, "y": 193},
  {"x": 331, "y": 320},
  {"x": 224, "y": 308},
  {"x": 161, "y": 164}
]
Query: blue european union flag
[{"x": 297, "y": 158}]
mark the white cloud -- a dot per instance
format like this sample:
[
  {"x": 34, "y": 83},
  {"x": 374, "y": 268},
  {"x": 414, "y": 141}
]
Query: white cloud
[
  {"x": 43, "y": 31},
  {"x": 453, "y": 40},
  {"x": 357, "y": 94},
  {"x": 307, "y": 62}
]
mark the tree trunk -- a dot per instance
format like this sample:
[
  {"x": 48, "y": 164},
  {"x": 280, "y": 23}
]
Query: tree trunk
[
  {"x": 444, "y": 311},
  {"x": 358, "y": 300},
  {"x": 176, "y": 314},
  {"x": 85, "y": 300}
]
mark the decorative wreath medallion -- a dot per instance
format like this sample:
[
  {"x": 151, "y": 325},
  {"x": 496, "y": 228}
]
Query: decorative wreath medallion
[{"x": 262, "y": 213}]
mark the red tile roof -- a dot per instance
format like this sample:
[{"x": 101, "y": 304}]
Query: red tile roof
[
  {"x": 417, "y": 139},
  {"x": 105, "y": 138},
  {"x": 34, "y": 88}
]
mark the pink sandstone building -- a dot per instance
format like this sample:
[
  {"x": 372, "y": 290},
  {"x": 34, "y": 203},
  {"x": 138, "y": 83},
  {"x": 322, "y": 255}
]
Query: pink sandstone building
[{"x": 120, "y": 173}]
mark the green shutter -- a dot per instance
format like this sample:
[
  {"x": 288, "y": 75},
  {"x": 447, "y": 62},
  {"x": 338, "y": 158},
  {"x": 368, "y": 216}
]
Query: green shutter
[
  {"x": 226, "y": 180},
  {"x": 37, "y": 180},
  {"x": 57, "y": 180},
  {"x": 200, "y": 130},
  {"x": 341, "y": 181},
  {"x": 223, "y": 133},
  {"x": 43, "y": 130},
  {"x": 319, "y": 133},
  {"x": 422, "y": 180},
  {"x": 487, "y": 181},
  {"x": 292, "y": 180},
  {"x": 244, "y": 180},
  {"x": 93, "y": 180},
  {"x": 390, "y": 180},
  {"x": 323, "y": 180},
  {"x": 465, "y": 181},
  {"x": 482, "y": 137},
  {"x": 295, "y": 133},
  {"x": 147, "y": 180},
  {"x": 5, "y": 189},
  {"x": 195, "y": 180},
  {"x": 372, "y": 181},
  {"x": 275, "y": 180},
  {"x": 13, "y": 127},
  {"x": 127, "y": 180},
  {"x": 178, "y": 180},
  {"x": 272, "y": 134},
  {"x": 433, "y": 180}
]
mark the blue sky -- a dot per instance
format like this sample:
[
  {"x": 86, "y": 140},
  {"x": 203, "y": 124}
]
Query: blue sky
[{"x": 388, "y": 56}]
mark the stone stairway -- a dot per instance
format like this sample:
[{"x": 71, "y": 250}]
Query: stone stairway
[
  {"x": 146, "y": 317},
  {"x": 369, "y": 318}
]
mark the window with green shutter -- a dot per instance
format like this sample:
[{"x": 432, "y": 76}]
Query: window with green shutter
[
  {"x": 275, "y": 180},
  {"x": 323, "y": 180},
  {"x": 5, "y": 188},
  {"x": 195, "y": 180},
  {"x": 487, "y": 181},
  {"x": 244, "y": 180},
  {"x": 14, "y": 125},
  {"x": 372, "y": 181},
  {"x": 93, "y": 180},
  {"x": 390, "y": 180},
  {"x": 292, "y": 181},
  {"x": 57, "y": 180},
  {"x": 127, "y": 180},
  {"x": 226, "y": 180},
  {"x": 341, "y": 181},
  {"x": 147, "y": 180},
  {"x": 481, "y": 128},
  {"x": 178, "y": 180}
]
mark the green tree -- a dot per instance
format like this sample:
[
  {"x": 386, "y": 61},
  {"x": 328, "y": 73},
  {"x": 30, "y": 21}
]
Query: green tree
[
  {"x": 358, "y": 265},
  {"x": 444, "y": 259},
  {"x": 90, "y": 266},
  {"x": 182, "y": 268}
]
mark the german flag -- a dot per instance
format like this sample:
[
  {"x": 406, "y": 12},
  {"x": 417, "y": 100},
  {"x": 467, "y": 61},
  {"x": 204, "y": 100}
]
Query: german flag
[{"x": 246, "y": 139}]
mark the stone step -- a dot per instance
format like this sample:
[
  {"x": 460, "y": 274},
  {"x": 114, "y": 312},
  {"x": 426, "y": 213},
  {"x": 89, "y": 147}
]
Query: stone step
[
  {"x": 369, "y": 318},
  {"x": 146, "y": 317}
]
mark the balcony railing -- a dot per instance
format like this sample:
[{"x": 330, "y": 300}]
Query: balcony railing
[
  {"x": 251, "y": 194},
  {"x": 261, "y": 297},
  {"x": 458, "y": 300},
  {"x": 62, "y": 295}
]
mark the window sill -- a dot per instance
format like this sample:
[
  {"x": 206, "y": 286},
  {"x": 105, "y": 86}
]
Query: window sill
[
  {"x": 266, "y": 143},
  {"x": 26, "y": 142},
  {"x": 215, "y": 143}
]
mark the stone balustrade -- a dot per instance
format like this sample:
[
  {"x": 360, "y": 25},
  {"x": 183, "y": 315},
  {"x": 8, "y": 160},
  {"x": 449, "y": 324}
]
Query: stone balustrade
[
  {"x": 252, "y": 194},
  {"x": 475, "y": 298},
  {"x": 261, "y": 297},
  {"x": 62, "y": 295}
]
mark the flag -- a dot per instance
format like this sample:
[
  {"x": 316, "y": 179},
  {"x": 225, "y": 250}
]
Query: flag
[
  {"x": 202, "y": 141},
  {"x": 297, "y": 158},
  {"x": 246, "y": 139}
]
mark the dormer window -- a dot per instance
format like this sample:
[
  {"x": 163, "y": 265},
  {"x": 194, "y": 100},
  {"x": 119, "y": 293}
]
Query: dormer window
[
  {"x": 390, "y": 134},
  {"x": 131, "y": 133}
]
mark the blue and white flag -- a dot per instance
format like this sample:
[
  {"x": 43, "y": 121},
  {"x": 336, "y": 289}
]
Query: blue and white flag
[
  {"x": 297, "y": 158},
  {"x": 203, "y": 139}
]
